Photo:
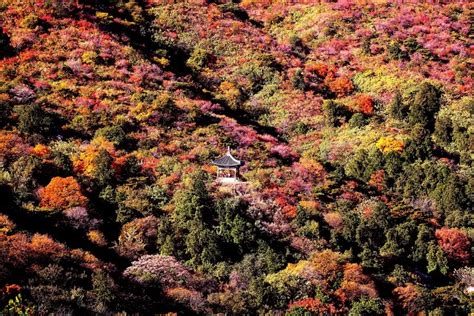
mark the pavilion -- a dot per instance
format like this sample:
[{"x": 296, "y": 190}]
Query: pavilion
[{"x": 227, "y": 168}]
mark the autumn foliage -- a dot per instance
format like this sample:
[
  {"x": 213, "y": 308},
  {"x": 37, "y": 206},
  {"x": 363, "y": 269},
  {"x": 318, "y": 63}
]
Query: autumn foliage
[
  {"x": 409, "y": 297},
  {"x": 365, "y": 104},
  {"x": 455, "y": 244},
  {"x": 355, "y": 284},
  {"x": 62, "y": 193},
  {"x": 353, "y": 120},
  {"x": 390, "y": 144},
  {"x": 313, "y": 305},
  {"x": 341, "y": 86}
]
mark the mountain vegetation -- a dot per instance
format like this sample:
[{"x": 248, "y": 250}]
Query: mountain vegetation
[{"x": 354, "y": 120}]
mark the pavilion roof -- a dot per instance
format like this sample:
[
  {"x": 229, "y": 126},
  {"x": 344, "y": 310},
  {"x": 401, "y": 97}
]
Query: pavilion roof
[{"x": 227, "y": 160}]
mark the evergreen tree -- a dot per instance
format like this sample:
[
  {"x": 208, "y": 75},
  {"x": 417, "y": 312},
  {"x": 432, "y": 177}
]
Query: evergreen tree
[
  {"x": 420, "y": 146},
  {"x": 374, "y": 162},
  {"x": 420, "y": 248},
  {"x": 233, "y": 228},
  {"x": 443, "y": 131},
  {"x": 400, "y": 275},
  {"x": 399, "y": 240},
  {"x": 356, "y": 166},
  {"x": 201, "y": 244},
  {"x": 349, "y": 230},
  {"x": 366, "y": 46},
  {"x": 298, "y": 80},
  {"x": 357, "y": 120},
  {"x": 62, "y": 162},
  {"x": 103, "y": 171},
  {"x": 449, "y": 194},
  {"x": 436, "y": 259},
  {"x": 396, "y": 108},
  {"x": 426, "y": 104},
  {"x": 165, "y": 238},
  {"x": 114, "y": 134},
  {"x": 33, "y": 119},
  {"x": 330, "y": 113},
  {"x": 193, "y": 220},
  {"x": 370, "y": 235},
  {"x": 370, "y": 258},
  {"x": 393, "y": 165},
  {"x": 131, "y": 167},
  {"x": 367, "y": 307},
  {"x": 395, "y": 51}
]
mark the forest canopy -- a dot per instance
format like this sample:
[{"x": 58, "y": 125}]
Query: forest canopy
[{"x": 354, "y": 121}]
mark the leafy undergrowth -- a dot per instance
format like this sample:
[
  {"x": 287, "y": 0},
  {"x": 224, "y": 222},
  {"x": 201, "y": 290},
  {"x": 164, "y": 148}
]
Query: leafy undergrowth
[{"x": 354, "y": 121}]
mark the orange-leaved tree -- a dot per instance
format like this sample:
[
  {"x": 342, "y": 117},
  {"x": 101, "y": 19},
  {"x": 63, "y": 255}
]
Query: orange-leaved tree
[
  {"x": 355, "y": 284},
  {"x": 341, "y": 86},
  {"x": 365, "y": 104},
  {"x": 455, "y": 244},
  {"x": 62, "y": 193}
]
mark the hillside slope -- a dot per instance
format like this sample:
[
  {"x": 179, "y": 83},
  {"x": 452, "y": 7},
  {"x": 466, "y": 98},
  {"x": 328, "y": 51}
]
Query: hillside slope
[{"x": 355, "y": 123}]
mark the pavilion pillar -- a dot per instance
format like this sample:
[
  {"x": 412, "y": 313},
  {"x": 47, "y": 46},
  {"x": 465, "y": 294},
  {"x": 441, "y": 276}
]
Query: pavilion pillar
[{"x": 227, "y": 168}]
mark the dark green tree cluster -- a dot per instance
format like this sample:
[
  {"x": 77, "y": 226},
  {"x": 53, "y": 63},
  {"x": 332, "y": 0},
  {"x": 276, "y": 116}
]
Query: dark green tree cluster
[
  {"x": 33, "y": 119},
  {"x": 204, "y": 231},
  {"x": 424, "y": 106}
]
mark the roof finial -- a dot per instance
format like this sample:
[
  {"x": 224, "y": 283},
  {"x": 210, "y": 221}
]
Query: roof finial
[{"x": 228, "y": 149}]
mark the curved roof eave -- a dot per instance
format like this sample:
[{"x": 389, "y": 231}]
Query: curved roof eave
[{"x": 227, "y": 161}]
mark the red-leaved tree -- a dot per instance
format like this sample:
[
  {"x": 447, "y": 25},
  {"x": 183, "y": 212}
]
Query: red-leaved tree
[{"x": 455, "y": 244}]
